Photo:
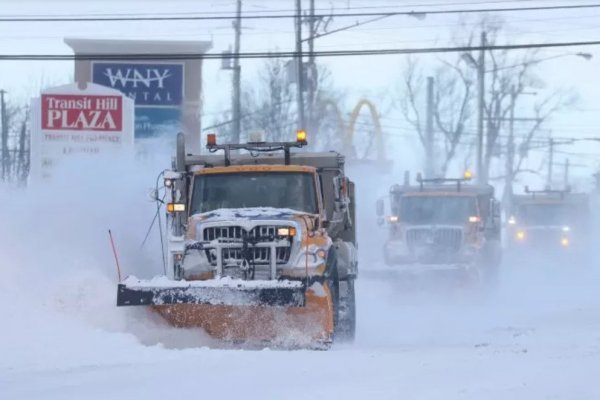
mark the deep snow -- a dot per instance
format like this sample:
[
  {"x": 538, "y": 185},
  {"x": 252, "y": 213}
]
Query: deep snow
[{"x": 537, "y": 335}]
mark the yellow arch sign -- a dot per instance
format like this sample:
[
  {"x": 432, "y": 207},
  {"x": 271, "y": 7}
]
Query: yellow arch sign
[{"x": 349, "y": 139}]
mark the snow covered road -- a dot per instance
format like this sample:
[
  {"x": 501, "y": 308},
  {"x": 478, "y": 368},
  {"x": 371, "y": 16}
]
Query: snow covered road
[{"x": 527, "y": 342}]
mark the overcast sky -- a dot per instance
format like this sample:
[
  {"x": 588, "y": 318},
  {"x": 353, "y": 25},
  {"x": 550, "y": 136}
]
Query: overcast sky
[{"x": 376, "y": 78}]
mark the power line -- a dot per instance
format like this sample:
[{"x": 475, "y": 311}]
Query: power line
[
  {"x": 285, "y": 54},
  {"x": 189, "y": 17},
  {"x": 272, "y": 11}
]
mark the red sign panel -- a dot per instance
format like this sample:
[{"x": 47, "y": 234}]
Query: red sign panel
[{"x": 66, "y": 112}]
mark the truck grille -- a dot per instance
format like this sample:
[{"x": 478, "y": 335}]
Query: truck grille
[
  {"x": 260, "y": 257},
  {"x": 443, "y": 238},
  {"x": 237, "y": 232}
]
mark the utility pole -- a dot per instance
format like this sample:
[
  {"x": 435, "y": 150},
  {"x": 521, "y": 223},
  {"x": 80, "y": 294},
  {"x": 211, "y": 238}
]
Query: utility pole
[
  {"x": 22, "y": 172},
  {"x": 566, "y": 177},
  {"x": 510, "y": 152},
  {"x": 550, "y": 162},
  {"x": 236, "y": 105},
  {"x": 429, "y": 161},
  {"x": 4, "y": 122},
  {"x": 312, "y": 70},
  {"x": 481, "y": 175},
  {"x": 299, "y": 66}
]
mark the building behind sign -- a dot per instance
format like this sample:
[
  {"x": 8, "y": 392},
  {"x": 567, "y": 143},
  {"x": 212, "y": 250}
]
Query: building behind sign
[{"x": 167, "y": 93}]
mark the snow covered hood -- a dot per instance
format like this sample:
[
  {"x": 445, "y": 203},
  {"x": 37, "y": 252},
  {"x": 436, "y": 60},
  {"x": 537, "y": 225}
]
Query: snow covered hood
[{"x": 249, "y": 214}]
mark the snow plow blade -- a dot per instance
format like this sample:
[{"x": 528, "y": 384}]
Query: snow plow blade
[{"x": 230, "y": 293}]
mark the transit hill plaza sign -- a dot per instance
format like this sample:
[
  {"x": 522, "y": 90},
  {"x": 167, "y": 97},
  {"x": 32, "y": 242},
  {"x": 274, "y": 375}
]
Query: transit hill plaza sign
[
  {"x": 67, "y": 121},
  {"x": 71, "y": 112},
  {"x": 167, "y": 93}
]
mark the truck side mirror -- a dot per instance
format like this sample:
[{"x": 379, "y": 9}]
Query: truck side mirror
[
  {"x": 153, "y": 194},
  {"x": 379, "y": 207}
]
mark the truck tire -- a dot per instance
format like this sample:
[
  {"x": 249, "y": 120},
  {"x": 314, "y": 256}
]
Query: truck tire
[
  {"x": 347, "y": 318},
  {"x": 492, "y": 260},
  {"x": 387, "y": 260},
  {"x": 333, "y": 282}
]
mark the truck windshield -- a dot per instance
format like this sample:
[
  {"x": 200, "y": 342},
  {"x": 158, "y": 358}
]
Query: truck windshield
[
  {"x": 437, "y": 209},
  {"x": 293, "y": 190},
  {"x": 545, "y": 214}
]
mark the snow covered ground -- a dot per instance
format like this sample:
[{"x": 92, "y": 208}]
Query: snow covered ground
[
  {"x": 536, "y": 336},
  {"x": 534, "y": 343}
]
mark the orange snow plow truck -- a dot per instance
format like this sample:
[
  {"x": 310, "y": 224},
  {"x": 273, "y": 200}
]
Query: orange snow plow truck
[{"x": 261, "y": 245}]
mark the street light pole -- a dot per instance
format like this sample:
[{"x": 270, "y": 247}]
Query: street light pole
[
  {"x": 550, "y": 162},
  {"x": 4, "y": 123},
  {"x": 237, "y": 79},
  {"x": 510, "y": 152},
  {"x": 429, "y": 139},
  {"x": 481, "y": 176},
  {"x": 299, "y": 67},
  {"x": 312, "y": 70}
]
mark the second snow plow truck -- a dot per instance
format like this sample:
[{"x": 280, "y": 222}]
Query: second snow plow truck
[
  {"x": 438, "y": 225},
  {"x": 261, "y": 245},
  {"x": 549, "y": 221}
]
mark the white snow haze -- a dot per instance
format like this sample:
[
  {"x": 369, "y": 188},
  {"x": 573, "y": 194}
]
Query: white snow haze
[{"x": 534, "y": 334}]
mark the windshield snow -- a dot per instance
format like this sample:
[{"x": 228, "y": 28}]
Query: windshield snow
[
  {"x": 437, "y": 209},
  {"x": 293, "y": 190}
]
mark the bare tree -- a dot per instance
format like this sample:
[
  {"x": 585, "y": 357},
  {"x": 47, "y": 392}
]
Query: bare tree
[
  {"x": 269, "y": 105},
  {"x": 543, "y": 110},
  {"x": 508, "y": 75},
  {"x": 17, "y": 121},
  {"x": 452, "y": 106}
]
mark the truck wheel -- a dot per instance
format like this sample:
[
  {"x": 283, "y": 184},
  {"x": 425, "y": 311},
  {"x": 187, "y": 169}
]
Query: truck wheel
[
  {"x": 333, "y": 282},
  {"x": 347, "y": 319},
  {"x": 387, "y": 260}
]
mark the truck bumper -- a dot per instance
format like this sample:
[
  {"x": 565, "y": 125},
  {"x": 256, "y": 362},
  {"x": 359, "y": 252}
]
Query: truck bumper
[{"x": 227, "y": 292}]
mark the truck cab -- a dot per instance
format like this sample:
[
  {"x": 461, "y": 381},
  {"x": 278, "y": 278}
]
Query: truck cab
[
  {"x": 442, "y": 222},
  {"x": 548, "y": 221}
]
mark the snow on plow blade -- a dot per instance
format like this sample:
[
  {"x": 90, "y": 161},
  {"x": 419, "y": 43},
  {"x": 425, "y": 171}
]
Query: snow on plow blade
[{"x": 231, "y": 292}]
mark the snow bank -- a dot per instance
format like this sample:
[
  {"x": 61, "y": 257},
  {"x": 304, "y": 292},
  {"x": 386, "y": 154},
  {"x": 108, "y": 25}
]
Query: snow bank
[{"x": 58, "y": 286}]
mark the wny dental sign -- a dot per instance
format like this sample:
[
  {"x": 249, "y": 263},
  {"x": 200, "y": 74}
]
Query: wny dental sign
[
  {"x": 148, "y": 84},
  {"x": 156, "y": 88},
  {"x": 82, "y": 113}
]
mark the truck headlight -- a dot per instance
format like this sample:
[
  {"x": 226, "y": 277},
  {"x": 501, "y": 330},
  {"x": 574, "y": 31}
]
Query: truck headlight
[
  {"x": 474, "y": 219},
  {"x": 520, "y": 235},
  {"x": 564, "y": 242},
  {"x": 311, "y": 259},
  {"x": 287, "y": 231}
]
